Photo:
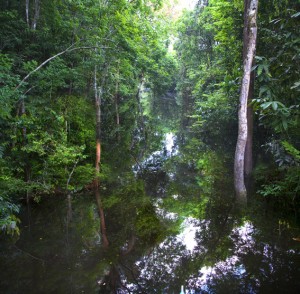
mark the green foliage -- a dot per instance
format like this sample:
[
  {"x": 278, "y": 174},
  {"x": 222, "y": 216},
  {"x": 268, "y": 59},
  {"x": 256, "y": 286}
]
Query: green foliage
[
  {"x": 9, "y": 184},
  {"x": 285, "y": 188},
  {"x": 281, "y": 182},
  {"x": 8, "y": 95},
  {"x": 82, "y": 176},
  {"x": 8, "y": 220},
  {"x": 209, "y": 53},
  {"x": 47, "y": 123},
  {"x": 291, "y": 150},
  {"x": 148, "y": 226},
  {"x": 277, "y": 69},
  {"x": 278, "y": 106}
]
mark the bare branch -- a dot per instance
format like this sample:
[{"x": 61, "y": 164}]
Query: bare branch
[
  {"x": 71, "y": 173},
  {"x": 68, "y": 50}
]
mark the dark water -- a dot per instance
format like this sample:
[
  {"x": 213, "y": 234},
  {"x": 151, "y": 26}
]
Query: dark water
[{"x": 168, "y": 224}]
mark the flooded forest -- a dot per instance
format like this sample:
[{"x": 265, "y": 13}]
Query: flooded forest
[{"x": 149, "y": 146}]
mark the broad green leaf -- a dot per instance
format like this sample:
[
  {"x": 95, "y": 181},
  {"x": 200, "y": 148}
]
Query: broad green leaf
[
  {"x": 266, "y": 105},
  {"x": 274, "y": 105}
]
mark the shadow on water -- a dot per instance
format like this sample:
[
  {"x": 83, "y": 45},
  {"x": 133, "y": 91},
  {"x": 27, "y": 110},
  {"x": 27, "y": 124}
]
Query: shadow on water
[{"x": 170, "y": 222}]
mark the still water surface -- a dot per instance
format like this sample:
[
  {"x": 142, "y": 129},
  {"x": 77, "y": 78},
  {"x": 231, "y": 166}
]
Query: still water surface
[{"x": 165, "y": 230}]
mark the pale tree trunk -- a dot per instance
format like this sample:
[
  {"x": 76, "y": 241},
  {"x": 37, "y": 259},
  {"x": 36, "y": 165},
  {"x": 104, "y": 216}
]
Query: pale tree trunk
[
  {"x": 138, "y": 96},
  {"x": 249, "y": 143},
  {"x": 140, "y": 109},
  {"x": 27, "y": 168},
  {"x": 27, "y": 12},
  {"x": 23, "y": 113},
  {"x": 117, "y": 116},
  {"x": 117, "y": 103},
  {"x": 239, "y": 163},
  {"x": 68, "y": 50},
  {"x": 98, "y": 93},
  {"x": 36, "y": 14}
]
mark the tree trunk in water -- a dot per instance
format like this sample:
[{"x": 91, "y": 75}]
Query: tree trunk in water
[
  {"x": 249, "y": 144},
  {"x": 98, "y": 93},
  {"x": 69, "y": 210},
  {"x": 102, "y": 217},
  {"x": 27, "y": 168},
  {"x": 239, "y": 163}
]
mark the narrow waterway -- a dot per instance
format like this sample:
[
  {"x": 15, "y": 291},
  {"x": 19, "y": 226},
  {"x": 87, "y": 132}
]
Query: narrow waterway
[{"x": 168, "y": 225}]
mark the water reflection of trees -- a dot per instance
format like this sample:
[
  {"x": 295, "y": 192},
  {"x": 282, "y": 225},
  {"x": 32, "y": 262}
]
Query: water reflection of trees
[
  {"x": 236, "y": 262},
  {"x": 191, "y": 236},
  {"x": 232, "y": 251}
]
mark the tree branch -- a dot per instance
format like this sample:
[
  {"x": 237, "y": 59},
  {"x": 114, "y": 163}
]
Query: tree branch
[
  {"x": 71, "y": 173},
  {"x": 69, "y": 49}
]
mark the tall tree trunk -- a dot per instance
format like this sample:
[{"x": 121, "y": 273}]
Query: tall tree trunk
[
  {"x": 102, "y": 218},
  {"x": 36, "y": 14},
  {"x": 140, "y": 109},
  {"x": 239, "y": 163},
  {"x": 69, "y": 210},
  {"x": 249, "y": 143},
  {"x": 98, "y": 93},
  {"x": 117, "y": 103},
  {"x": 27, "y": 168},
  {"x": 27, "y": 12},
  {"x": 98, "y": 121}
]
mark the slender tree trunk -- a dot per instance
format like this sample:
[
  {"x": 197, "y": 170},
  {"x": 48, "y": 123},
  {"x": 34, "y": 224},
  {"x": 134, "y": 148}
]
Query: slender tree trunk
[
  {"x": 27, "y": 12},
  {"x": 27, "y": 168},
  {"x": 68, "y": 50},
  {"x": 102, "y": 218},
  {"x": 239, "y": 163},
  {"x": 117, "y": 117},
  {"x": 249, "y": 143},
  {"x": 98, "y": 93},
  {"x": 186, "y": 105},
  {"x": 140, "y": 110},
  {"x": 117, "y": 103},
  {"x": 98, "y": 121},
  {"x": 36, "y": 14},
  {"x": 69, "y": 210},
  {"x": 23, "y": 113}
]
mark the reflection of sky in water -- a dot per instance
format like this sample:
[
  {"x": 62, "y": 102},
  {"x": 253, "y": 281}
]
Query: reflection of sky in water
[
  {"x": 187, "y": 237},
  {"x": 243, "y": 241},
  {"x": 160, "y": 267},
  {"x": 190, "y": 257},
  {"x": 153, "y": 161},
  {"x": 169, "y": 143}
]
